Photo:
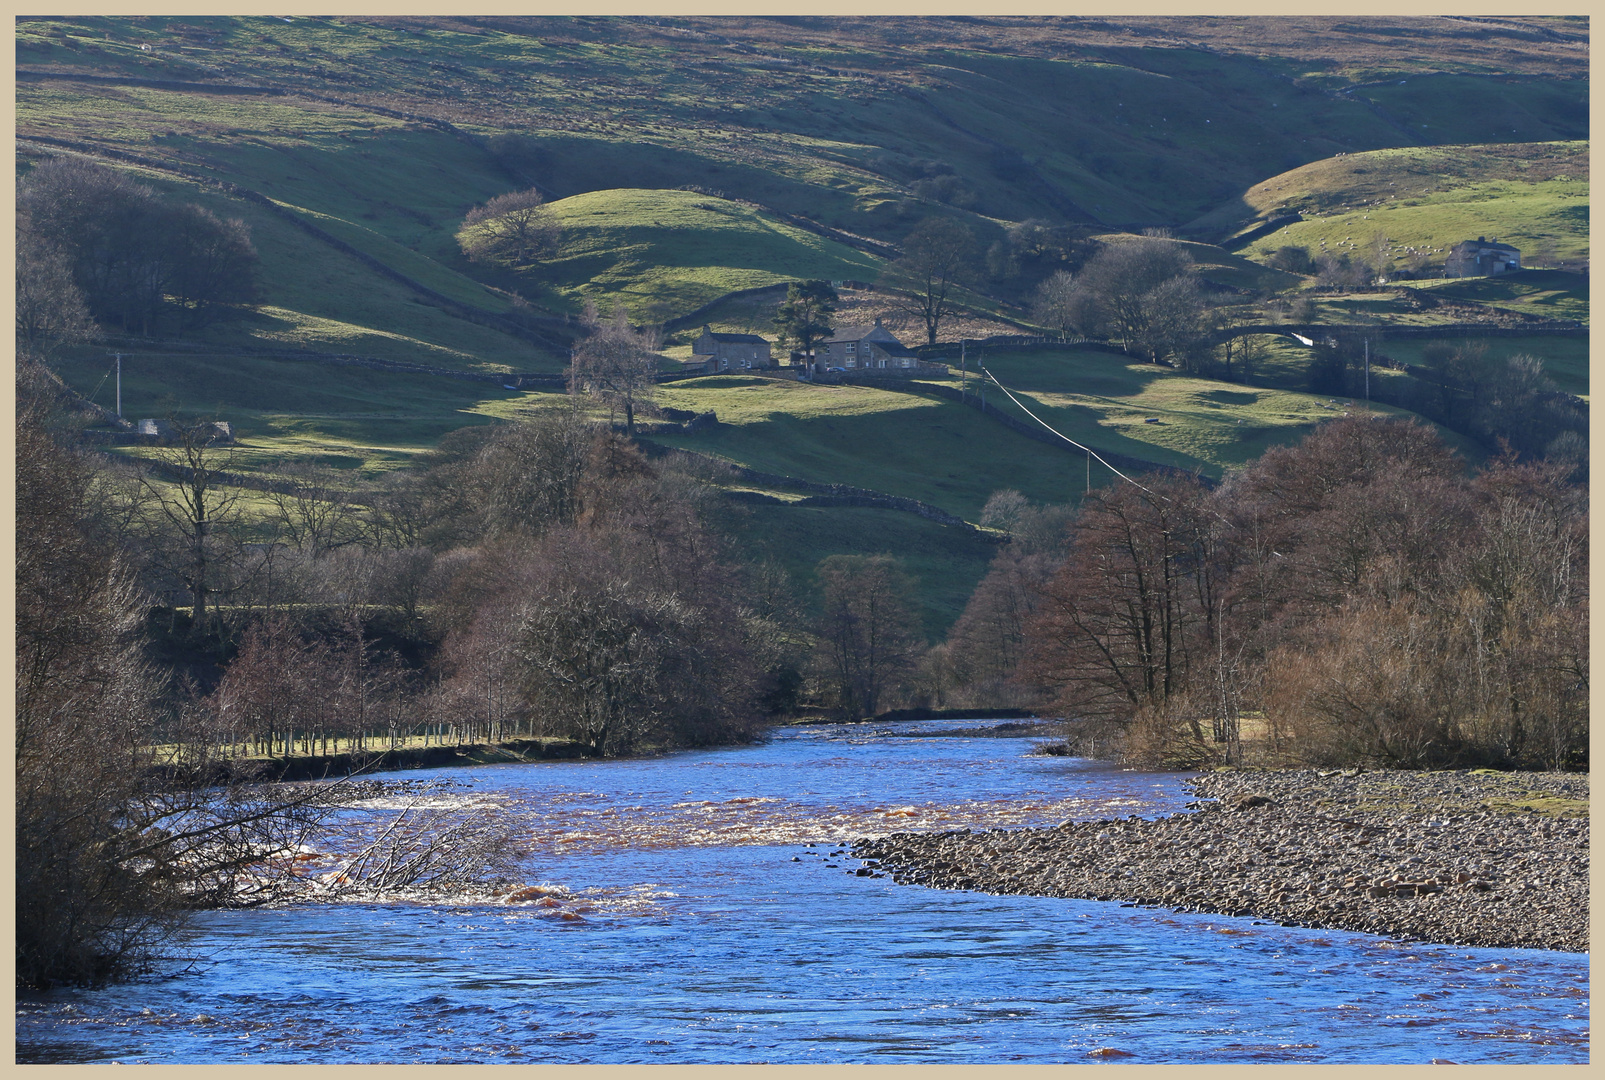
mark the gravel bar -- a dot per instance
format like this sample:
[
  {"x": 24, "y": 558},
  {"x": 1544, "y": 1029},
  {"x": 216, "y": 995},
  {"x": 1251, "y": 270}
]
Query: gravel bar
[{"x": 1497, "y": 860}]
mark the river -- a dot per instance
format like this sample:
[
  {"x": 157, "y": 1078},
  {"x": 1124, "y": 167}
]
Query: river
[{"x": 698, "y": 908}]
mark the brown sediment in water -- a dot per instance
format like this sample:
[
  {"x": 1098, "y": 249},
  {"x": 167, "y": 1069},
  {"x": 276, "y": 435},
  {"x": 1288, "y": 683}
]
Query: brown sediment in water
[{"x": 1466, "y": 858}]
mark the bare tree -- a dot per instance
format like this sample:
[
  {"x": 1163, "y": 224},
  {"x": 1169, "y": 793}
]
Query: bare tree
[
  {"x": 594, "y": 654},
  {"x": 868, "y": 632},
  {"x": 136, "y": 257},
  {"x": 114, "y": 841},
  {"x": 1246, "y": 352},
  {"x": 484, "y": 664},
  {"x": 419, "y": 848},
  {"x": 513, "y": 230},
  {"x": 1057, "y": 303},
  {"x": 50, "y": 307},
  {"x": 939, "y": 255},
  {"x": 1121, "y": 281},
  {"x": 1127, "y": 617},
  {"x": 213, "y": 264},
  {"x": 313, "y": 508},
  {"x": 1173, "y": 326},
  {"x": 528, "y": 476},
  {"x": 1292, "y": 259},
  {"x": 197, "y": 517},
  {"x": 617, "y": 363}
]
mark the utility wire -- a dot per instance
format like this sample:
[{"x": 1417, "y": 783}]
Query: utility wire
[
  {"x": 101, "y": 383},
  {"x": 1089, "y": 450},
  {"x": 1093, "y": 453}
]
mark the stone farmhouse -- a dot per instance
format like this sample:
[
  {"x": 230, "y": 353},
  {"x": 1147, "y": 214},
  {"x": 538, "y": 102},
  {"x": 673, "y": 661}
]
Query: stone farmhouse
[
  {"x": 1481, "y": 258},
  {"x": 865, "y": 348},
  {"x": 730, "y": 352}
]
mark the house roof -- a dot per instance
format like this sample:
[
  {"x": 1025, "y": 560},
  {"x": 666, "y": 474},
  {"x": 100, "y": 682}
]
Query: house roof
[
  {"x": 895, "y": 348},
  {"x": 752, "y": 338},
  {"x": 1480, "y": 244},
  {"x": 859, "y": 333}
]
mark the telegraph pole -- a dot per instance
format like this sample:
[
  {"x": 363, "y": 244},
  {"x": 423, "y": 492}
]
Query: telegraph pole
[
  {"x": 1368, "y": 369},
  {"x": 964, "y": 370},
  {"x": 119, "y": 385}
]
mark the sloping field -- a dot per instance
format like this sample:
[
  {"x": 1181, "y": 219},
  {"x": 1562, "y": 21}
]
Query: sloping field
[
  {"x": 664, "y": 253},
  {"x": 1363, "y": 178},
  {"x": 1223, "y": 267},
  {"x": 1422, "y": 201},
  {"x": 1162, "y": 415},
  {"x": 316, "y": 296},
  {"x": 1547, "y": 294},
  {"x": 346, "y": 417},
  {"x": 945, "y": 562},
  {"x": 1120, "y": 121},
  {"x": 1565, "y": 358},
  {"x": 919, "y": 447},
  {"x": 1547, "y": 221}
]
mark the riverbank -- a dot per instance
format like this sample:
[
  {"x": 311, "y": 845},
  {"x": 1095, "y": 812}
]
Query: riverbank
[
  {"x": 1464, "y": 858},
  {"x": 333, "y": 766}
]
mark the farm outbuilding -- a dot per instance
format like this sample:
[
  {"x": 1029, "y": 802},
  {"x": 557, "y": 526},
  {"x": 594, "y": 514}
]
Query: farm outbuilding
[{"x": 730, "y": 352}]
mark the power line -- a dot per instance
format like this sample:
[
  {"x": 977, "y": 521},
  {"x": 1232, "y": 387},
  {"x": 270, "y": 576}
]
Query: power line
[
  {"x": 1089, "y": 450},
  {"x": 1093, "y": 454},
  {"x": 101, "y": 383}
]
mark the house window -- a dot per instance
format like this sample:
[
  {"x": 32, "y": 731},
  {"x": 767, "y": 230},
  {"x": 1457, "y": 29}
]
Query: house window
[
  {"x": 852, "y": 346},
  {"x": 883, "y": 361}
]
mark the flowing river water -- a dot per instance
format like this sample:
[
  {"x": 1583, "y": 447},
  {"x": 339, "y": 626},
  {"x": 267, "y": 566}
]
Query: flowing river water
[{"x": 700, "y": 908}]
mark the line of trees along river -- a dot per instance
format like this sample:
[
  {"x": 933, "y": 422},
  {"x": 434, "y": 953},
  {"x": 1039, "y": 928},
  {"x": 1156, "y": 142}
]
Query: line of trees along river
[{"x": 1358, "y": 598}]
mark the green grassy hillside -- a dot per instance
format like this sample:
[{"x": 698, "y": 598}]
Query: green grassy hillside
[
  {"x": 920, "y": 447},
  {"x": 1162, "y": 415},
  {"x": 1545, "y": 294},
  {"x": 1423, "y": 200},
  {"x": 351, "y": 418},
  {"x": 385, "y": 132},
  {"x": 1565, "y": 358},
  {"x": 668, "y": 252},
  {"x": 318, "y": 297},
  {"x": 1547, "y": 221}
]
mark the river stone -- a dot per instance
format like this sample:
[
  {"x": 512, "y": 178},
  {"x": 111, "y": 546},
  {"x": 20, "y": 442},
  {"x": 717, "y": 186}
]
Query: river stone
[{"x": 1454, "y": 869}]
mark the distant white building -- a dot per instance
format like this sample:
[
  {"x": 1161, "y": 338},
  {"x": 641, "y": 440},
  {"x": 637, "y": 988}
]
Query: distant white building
[{"x": 219, "y": 431}]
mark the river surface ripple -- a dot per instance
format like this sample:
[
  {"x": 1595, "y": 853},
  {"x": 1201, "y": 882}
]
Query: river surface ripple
[{"x": 695, "y": 909}]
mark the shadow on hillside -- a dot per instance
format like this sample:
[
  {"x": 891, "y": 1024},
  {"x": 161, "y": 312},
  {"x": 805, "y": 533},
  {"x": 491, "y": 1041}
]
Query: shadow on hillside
[
  {"x": 950, "y": 456},
  {"x": 1075, "y": 371},
  {"x": 573, "y": 166}
]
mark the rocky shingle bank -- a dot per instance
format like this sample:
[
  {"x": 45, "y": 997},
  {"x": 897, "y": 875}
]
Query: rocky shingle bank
[{"x": 1465, "y": 858}]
